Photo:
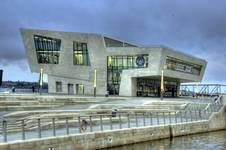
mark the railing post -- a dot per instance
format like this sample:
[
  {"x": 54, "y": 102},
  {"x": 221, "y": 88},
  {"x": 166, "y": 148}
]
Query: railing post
[
  {"x": 151, "y": 121},
  {"x": 90, "y": 124},
  {"x": 128, "y": 120},
  {"x": 164, "y": 119},
  {"x": 67, "y": 126},
  {"x": 23, "y": 130},
  {"x": 143, "y": 119},
  {"x": 110, "y": 118},
  {"x": 191, "y": 115},
  {"x": 120, "y": 121},
  {"x": 186, "y": 117},
  {"x": 79, "y": 123},
  {"x": 136, "y": 120},
  {"x": 54, "y": 127},
  {"x": 181, "y": 117},
  {"x": 101, "y": 123},
  {"x": 4, "y": 128},
  {"x": 157, "y": 115},
  {"x": 39, "y": 128}
]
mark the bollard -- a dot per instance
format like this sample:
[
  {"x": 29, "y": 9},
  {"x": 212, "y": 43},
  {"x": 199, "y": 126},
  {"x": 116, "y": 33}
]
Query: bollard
[
  {"x": 143, "y": 119},
  {"x": 169, "y": 117},
  {"x": 120, "y": 121},
  {"x": 67, "y": 126},
  {"x": 157, "y": 115},
  {"x": 4, "y": 128},
  {"x": 164, "y": 119},
  {"x": 39, "y": 128},
  {"x": 90, "y": 124},
  {"x": 23, "y": 130},
  {"x": 54, "y": 127},
  {"x": 110, "y": 118},
  {"x": 79, "y": 123},
  {"x": 128, "y": 120},
  {"x": 136, "y": 120},
  {"x": 101, "y": 123}
]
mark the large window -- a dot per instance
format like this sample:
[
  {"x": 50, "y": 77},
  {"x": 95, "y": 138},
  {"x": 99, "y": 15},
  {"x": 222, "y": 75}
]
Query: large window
[
  {"x": 116, "y": 43},
  {"x": 81, "y": 55},
  {"x": 115, "y": 65},
  {"x": 47, "y": 49},
  {"x": 182, "y": 66}
]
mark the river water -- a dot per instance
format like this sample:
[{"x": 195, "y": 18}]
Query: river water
[{"x": 204, "y": 141}]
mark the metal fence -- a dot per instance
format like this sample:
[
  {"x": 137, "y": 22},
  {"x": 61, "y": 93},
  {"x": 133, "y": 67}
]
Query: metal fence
[{"x": 22, "y": 129}]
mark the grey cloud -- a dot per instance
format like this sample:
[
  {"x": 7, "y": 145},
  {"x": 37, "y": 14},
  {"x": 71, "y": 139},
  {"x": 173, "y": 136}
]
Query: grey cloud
[{"x": 191, "y": 26}]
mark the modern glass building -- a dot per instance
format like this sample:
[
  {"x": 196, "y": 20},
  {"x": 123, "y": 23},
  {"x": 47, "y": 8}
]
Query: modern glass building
[{"x": 125, "y": 69}]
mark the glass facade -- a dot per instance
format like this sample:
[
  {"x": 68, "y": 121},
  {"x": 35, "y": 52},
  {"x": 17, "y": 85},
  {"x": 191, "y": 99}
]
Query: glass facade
[
  {"x": 116, "y": 43},
  {"x": 115, "y": 65},
  {"x": 182, "y": 66},
  {"x": 47, "y": 49},
  {"x": 81, "y": 55},
  {"x": 151, "y": 87}
]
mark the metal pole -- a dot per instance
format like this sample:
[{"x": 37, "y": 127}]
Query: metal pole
[
  {"x": 128, "y": 120},
  {"x": 54, "y": 127},
  {"x": 79, "y": 123},
  {"x": 143, "y": 119},
  {"x": 181, "y": 117},
  {"x": 164, "y": 119},
  {"x": 136, "y": 120},
  {"x": 90, "y": 123},
  {"x": 186, "y": 116},
  {"x": 4, "y": 126},
  {"x": 101, "y": 123},
  {"x": 67, "y": 126},
  {"x": 95, "y": 82},
  {"x": 162, "y": 85},
  {"x": 157, "y": 115},
  {"x": 175, "y": 115},
  {"x": 151, "y": 121},
  {"x": 191, "y": 115},
  {"x": 170, "y": 117},
  {"x": 23, "y": 130},
  {"x": 120, "y": 121},
  {"x": 39, "y": 128},
  {"x": 111, "y": 122}
]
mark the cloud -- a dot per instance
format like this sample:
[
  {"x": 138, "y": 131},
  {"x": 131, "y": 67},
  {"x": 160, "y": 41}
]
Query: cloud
[{"x": 191, "y": 26}]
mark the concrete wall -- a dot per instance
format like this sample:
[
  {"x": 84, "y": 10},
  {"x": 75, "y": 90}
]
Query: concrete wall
[{"x": 105, "y": 139}]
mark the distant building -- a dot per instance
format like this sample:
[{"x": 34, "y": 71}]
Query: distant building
[{"x": 123, "y": 68}]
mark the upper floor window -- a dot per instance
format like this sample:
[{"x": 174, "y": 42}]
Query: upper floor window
[
  {"x": 47, "y": 49},
  {"x": 182, "y": 66},
  {"x": 81, "y": 55}
]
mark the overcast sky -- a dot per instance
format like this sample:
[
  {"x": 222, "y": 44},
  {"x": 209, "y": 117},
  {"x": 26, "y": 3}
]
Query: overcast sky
[{"x": 197, "y": 27}]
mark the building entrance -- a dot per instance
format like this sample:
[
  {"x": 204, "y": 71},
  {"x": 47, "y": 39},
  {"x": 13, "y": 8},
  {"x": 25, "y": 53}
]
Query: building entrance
[{"x": 151, "y": 87}]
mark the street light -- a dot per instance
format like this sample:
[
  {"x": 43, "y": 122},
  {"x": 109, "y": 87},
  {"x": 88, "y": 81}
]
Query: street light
[
  {"x": 162, "y": 85},
  {"x": 95, "y": 82},
  {"x": 40, "y": 79}
]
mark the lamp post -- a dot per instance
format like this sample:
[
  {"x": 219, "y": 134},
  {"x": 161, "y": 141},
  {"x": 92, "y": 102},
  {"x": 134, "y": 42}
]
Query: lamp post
[
  {"x": 95, "y": 82},
  {"x": 40, "y": 79},
  {"x": 162, "y": 85}
]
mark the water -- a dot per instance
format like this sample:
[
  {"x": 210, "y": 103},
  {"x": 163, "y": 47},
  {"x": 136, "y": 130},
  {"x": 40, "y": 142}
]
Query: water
[{"x": 204, "y": 141}]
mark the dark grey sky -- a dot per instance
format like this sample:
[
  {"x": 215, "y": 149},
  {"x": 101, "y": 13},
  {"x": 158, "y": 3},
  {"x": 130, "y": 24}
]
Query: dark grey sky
[{"x": 197, "y": 27}]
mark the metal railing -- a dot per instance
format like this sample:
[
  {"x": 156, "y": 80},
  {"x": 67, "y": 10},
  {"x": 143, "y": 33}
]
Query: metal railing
[
  {"x": 203, "y": 89},
  {"x": 22, "y": 129}
]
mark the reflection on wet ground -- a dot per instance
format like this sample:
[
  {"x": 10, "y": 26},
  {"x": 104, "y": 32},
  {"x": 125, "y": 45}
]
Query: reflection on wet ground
[{"x": 204, "y": 141}]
